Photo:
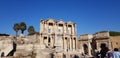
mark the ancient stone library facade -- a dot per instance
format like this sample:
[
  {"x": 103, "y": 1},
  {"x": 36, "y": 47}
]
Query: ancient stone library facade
[
  {"x": 58, "y": 34},
  {"x": 56, "y": 39}
]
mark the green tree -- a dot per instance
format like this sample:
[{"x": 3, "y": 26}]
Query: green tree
[
  {"x": 16, "y": 28},
  {"x": 31, "y": 30},
  {"x": 23, "y": 27},
  {"x": 114, "y": 33}
]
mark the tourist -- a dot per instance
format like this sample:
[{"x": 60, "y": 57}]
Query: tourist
[
  {"x": 97, "y": 54},
  {"x": 103, "y": 50},
  {"x": 110, "y": 54},
  {"x": 116, "y": 53}
]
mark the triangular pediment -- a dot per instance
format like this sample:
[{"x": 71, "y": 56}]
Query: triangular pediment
[
  {"x": 60, "y": 22},
  {"x": 69, "y": 22}
]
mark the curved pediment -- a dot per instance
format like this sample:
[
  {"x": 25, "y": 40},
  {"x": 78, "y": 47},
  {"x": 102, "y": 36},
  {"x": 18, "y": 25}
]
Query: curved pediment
[{"x": 50, "y": 20}]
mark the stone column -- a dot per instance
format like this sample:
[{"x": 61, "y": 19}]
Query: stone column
[
  {"x": 63, "y": 42},
  {"x": 82, "y": 49},
  {"x": 54, "y": 37},
  {"x": 51, "y": 41},
  {"x": 70, "y": 44},
  {"x": 41, "y": 27},
  {"x": 73, "y": 44},
  {"x": 54, "y": 27},
  {"x": 89, "y": 48},
  {"x": 72, "y": 29},
  {"x": 56, "y": 40},
  {"x": 67, "y": 43},
  {"x": 47, "y": 41},
  {"x": 67, "y": 28},
  {"x": 110, "y": 46},
  {"x": 76, "y": 44},
  {"x": 62, "y": 29},
  {"x": 75, "y": 29},
  {"x": 47, "y": 27}
]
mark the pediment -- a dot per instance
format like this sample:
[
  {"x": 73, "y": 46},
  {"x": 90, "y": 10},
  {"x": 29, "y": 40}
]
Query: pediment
[
  {"x": 60, "y": 22},
  {"x": 70, "y": 22},
  {"x": 50, "y": 20}
]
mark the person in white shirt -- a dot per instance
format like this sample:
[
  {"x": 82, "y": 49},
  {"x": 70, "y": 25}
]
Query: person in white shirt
[{"x": 116, "y": 53}]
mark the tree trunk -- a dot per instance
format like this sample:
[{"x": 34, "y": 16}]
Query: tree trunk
[
  {"x": 22, "y": 31},
  {"x": 16, "y": 33}
]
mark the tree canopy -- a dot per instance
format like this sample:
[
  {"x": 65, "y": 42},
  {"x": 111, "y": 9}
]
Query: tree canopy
[
  {"x": 23, "y": 27},
  {"x": 31, "y": 30},
  {"x": 16, "y": 28},
  {"x": 114, "y": 33}
]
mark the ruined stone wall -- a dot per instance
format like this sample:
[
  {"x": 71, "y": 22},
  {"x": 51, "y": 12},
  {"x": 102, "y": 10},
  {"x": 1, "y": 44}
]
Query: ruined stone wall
[
  {"x": 6, "y": 45},
  {"x": 115, "y": 42}
]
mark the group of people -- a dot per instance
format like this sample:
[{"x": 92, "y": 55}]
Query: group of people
[{"x": 108, "y": 53}]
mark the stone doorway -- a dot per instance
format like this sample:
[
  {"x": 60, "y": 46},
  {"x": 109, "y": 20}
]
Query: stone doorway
[
  {"x": 103, "y": 45},
  {"x": 85, "y": 47}
]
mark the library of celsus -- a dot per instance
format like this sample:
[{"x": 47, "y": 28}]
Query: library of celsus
[{"x": 58, "y": 34}]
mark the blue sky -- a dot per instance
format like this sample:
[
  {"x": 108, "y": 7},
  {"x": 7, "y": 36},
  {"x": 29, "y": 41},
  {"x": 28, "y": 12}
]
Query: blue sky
[{"x": 90, "y": 15}]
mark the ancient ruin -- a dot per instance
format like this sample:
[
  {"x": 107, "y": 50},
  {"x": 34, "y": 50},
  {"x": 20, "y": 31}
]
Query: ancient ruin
[
  {"x": 90, "y": 43},
  {"x": 56, "y": 39}
]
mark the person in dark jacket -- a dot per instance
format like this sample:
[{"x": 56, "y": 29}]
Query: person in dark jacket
[
  {"x": 103, "y": 50},
  {"x": 110, "y": 54}
]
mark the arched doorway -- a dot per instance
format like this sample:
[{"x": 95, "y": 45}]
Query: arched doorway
[
  {"x": 103, "y": 45},
  {"x": 85, "y": 47}
]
